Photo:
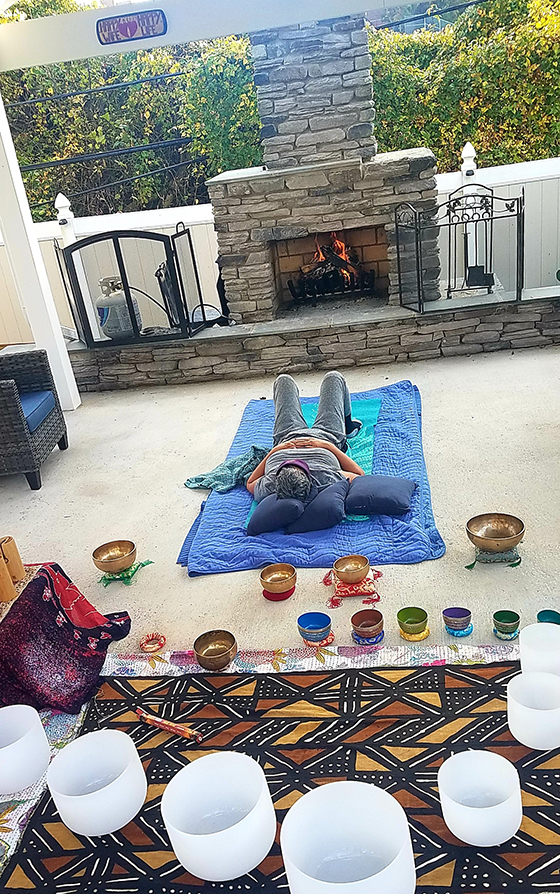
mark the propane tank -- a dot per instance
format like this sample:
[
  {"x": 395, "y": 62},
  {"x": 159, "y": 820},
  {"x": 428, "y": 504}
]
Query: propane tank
[{"x": 114, "y": 317}]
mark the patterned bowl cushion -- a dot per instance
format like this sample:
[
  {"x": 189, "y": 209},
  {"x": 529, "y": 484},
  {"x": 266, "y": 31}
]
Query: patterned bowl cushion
[{"x": 53, "y": 644}]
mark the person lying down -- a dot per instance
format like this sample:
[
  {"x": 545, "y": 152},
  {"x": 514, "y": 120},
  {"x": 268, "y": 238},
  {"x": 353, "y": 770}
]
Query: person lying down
[{"x": 305, "y": 460}]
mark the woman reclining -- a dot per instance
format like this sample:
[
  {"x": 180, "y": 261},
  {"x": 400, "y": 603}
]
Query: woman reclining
[{"x": 303, "y": 459}]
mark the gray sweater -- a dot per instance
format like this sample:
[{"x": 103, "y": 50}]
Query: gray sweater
[{"x": 323, "y": 465}]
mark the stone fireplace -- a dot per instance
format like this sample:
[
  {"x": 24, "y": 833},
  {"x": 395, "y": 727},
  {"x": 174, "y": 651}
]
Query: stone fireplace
[{"x": 322, "y": 183}]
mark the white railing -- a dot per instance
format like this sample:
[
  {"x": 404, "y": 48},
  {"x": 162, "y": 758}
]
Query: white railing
[{"x": 540, "y": 179}]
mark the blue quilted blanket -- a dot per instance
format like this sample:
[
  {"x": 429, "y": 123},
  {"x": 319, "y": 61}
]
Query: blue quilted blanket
[{"x": 218, "y": 542}]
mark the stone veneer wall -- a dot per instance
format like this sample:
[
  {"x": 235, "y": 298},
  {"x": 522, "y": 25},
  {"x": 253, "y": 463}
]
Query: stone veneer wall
[
  {"x": 227, "y": 354},
  {"x": 255, "y": 208},
  {"x": 314, "y": 91}
]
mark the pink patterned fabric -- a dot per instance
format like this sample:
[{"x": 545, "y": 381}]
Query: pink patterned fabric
[
  {"x": 365, "y": 587},
  {"x": 53, "y": 644}
]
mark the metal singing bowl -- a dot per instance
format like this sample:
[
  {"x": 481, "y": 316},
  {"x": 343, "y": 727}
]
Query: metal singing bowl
[
  {"x": 278, "y": 578},
  {"x": 215, "y": 649},
  {"x": 115, "y": 556},
  {"x": 495, "y": 532},
  {"x": 351, "y": 569}
]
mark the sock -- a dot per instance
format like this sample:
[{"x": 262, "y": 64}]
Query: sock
[{"x": 352, "y": 426}]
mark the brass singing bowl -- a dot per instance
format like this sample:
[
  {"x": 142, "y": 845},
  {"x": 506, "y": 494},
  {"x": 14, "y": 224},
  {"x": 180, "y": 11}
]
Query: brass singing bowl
[
  {"x": 117, "y": 555},
  {"x": 215, "y": 649},
  {"x": 278, "y": 578},
  {"x": 351, "y": 569},
  {"x": 495, "y": 532}
]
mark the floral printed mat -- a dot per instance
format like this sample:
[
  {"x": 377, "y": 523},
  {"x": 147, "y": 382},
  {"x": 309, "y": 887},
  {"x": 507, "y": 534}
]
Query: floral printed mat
[
  {"x": 16, "y": 812},
  {"x": 62, "y": 728}
]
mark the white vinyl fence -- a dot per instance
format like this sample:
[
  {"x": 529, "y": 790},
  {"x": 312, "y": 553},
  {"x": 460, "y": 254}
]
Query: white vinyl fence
[{"x": 541, "y": 182}]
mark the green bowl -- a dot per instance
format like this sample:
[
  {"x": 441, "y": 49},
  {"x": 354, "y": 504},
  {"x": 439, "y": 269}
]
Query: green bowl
[
  {"x": 548, "y": 616},
  {"x": 506, "y": 621},
  {"x": 412, "y": 619}
]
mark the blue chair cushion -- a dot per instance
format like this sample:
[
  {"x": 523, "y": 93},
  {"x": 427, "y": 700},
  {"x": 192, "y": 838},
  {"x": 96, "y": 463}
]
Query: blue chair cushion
[{"x": 36, "y": 406}]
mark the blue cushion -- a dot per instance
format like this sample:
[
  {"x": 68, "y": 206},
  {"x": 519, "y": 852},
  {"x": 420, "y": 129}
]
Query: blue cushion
[
  {"x": 36, "y": 406},
  {"x": 325, "y": 511},
  {"x": 272, "y": 513},
  {"x": 379, "y": 495}
]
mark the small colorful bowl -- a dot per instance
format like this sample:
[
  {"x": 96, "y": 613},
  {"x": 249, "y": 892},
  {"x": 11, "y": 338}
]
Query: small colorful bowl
[
  {"x": 457, "y": 618},
  {"x": 506, "y": 621},
  {"x": 548, "y": 616},
  {"x": 314, "y": 626},
  {"x": 412, "y": 620},
  {"x": 367, "y": 623}
]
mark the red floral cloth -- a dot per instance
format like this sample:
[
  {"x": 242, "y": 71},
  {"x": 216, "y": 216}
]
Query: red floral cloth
[
  {"x": 53, "y": 644},
  {"x": 365, "y": 587}
]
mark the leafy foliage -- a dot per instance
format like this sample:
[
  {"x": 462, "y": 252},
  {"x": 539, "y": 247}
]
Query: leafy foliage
[
  {"x": 492, "y": 78},
  {"x": 211, "y": 100}
]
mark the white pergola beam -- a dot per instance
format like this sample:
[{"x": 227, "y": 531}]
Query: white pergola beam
[
  {"x": 28, "y": 269},
  {"x": 67, "y": 37}
]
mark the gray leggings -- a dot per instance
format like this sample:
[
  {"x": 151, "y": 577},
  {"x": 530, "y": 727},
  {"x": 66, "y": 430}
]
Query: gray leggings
[{"x": 334, "y": 407}]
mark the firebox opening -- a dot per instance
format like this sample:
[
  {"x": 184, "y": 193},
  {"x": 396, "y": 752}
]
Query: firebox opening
[{"x": 343, "y": 264}]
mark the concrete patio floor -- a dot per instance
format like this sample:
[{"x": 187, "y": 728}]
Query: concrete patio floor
[{"x": 491, "y": 439}]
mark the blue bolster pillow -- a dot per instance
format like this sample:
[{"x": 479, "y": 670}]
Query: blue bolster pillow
[
  {"x": 379, "y": 495},
  {"x": 325, "y": 511},
  {"x": 272, "y": 513}
]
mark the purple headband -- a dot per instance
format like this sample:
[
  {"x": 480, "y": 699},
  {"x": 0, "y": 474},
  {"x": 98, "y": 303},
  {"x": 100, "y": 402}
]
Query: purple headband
[{"x": 300, "y": 463}]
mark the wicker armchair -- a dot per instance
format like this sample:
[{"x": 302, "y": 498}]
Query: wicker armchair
[{"x": 23, "y": 450}]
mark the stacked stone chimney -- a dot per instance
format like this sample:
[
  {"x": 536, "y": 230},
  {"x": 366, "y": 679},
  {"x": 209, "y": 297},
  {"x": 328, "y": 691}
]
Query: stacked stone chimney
[
  {"x": 314, "y": 92},
  {"x": 321, "y": 175}
]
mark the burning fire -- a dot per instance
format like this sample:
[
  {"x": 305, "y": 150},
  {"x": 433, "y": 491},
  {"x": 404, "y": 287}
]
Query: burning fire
[{"x": 338, "y": 247}]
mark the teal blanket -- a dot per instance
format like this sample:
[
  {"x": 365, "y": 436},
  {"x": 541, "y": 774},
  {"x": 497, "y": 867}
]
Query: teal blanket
[{"x": 231, "y": 472}]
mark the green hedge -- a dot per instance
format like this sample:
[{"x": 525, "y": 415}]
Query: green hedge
[{"x": 492, "y": 78}]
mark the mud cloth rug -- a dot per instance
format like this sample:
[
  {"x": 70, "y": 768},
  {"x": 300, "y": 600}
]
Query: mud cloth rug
[
  {"x": 392, "y": 727},
  {"x": 389, "y": 444}
]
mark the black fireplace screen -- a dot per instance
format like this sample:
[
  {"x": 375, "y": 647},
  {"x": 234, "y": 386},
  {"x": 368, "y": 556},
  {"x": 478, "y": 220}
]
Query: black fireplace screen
[
  {"x": 471, "y": 245},
  {"x": 132, "y": 286}
]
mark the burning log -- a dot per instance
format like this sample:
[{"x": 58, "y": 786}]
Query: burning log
[{"x": 333, "y": 269}]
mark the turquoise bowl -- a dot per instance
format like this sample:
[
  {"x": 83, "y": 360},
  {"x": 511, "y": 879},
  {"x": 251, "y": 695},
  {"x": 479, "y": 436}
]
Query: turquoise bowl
[{"x": 548, "y": 616}]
